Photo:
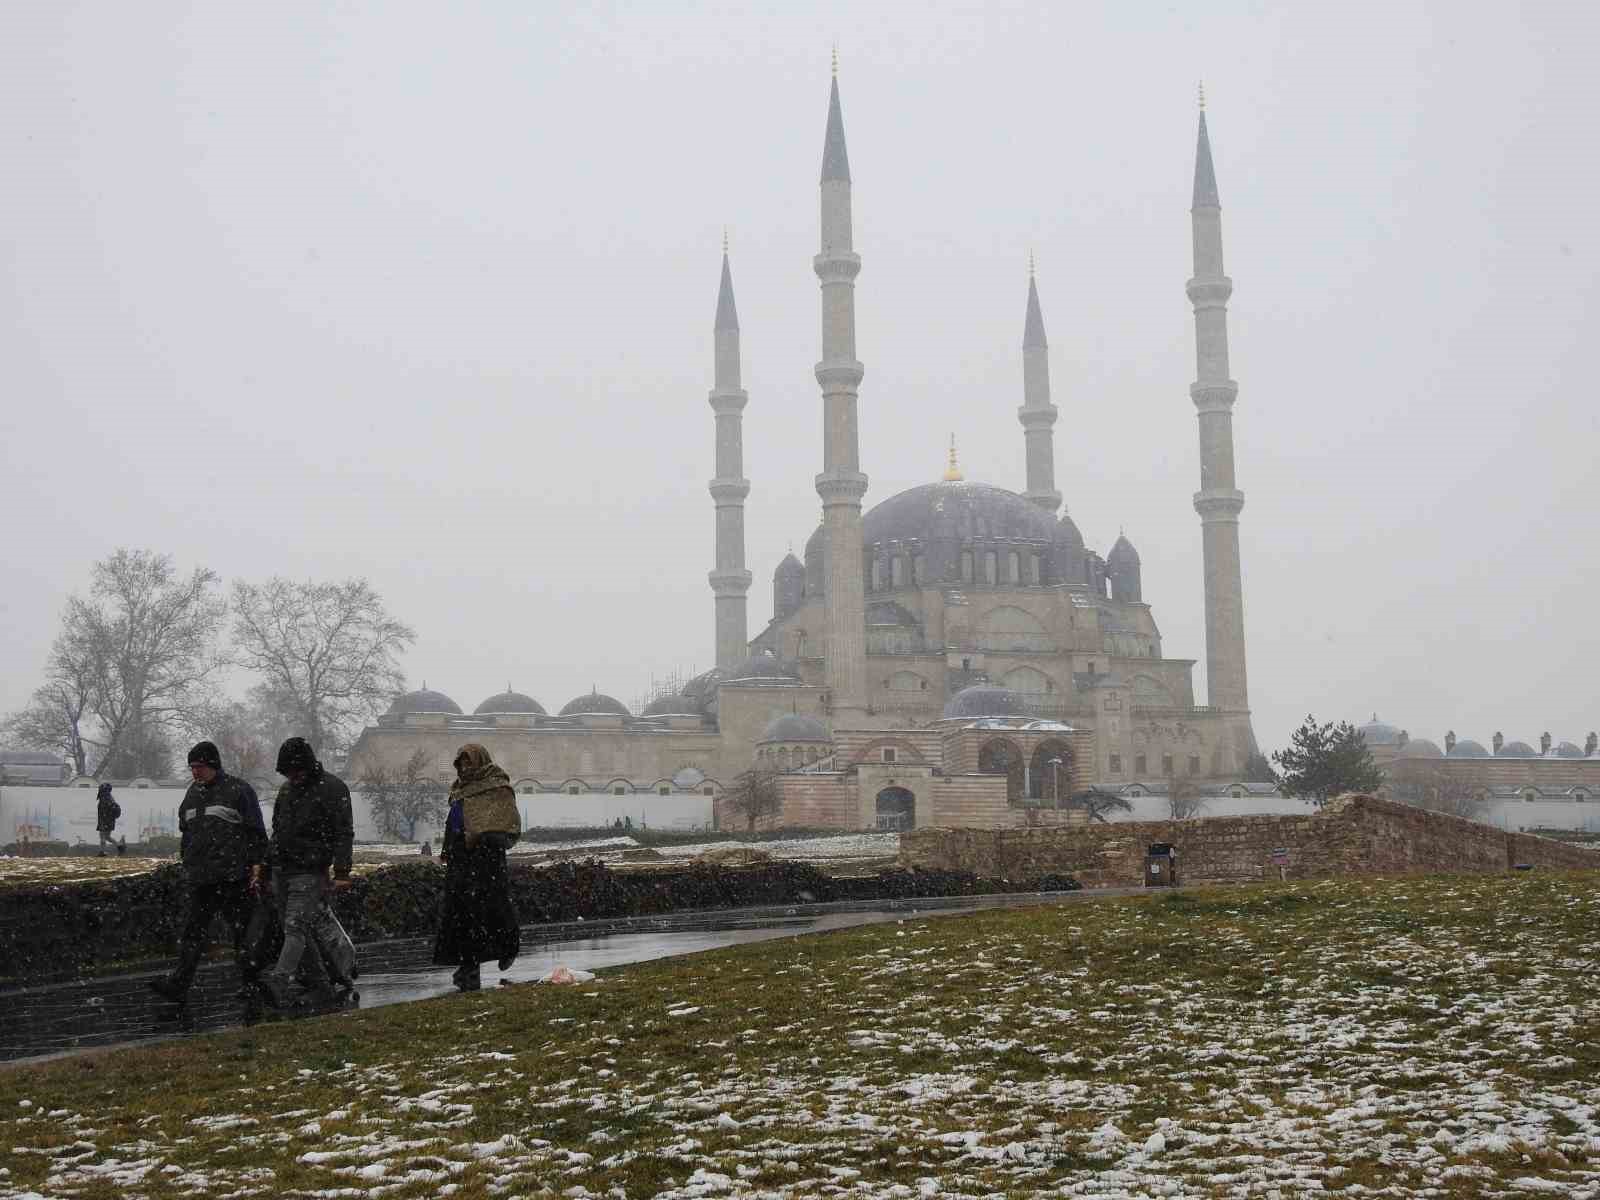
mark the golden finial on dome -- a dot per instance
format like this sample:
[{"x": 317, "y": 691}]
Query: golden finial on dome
[
  {"x": 1030, "y": 264},
  {"x": 836, "y": 60},
  {"x": 1202, "y": 95},
  {"x": 952, "y": 473},
  {"x": 724, "y": 241}
]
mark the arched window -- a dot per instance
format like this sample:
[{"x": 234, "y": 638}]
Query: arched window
[
  {"x": 990, "y": 566},
  {"x": 1050, "y": 771},
  {"x": 1002, "y": 757},
  {"x": 877, "y": 574},
  {"x": 1014, "y": 568},
  {"x": 1033, "y": 570},
  {"x": 919, "y": 569},
  {"x": 897, "y": 570}
]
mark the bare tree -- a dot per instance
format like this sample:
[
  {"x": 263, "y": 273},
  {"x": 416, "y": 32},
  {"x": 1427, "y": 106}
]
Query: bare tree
[
  {"x": 1096, "y": 803},
  {"x": 326, "y": 651},
  {"x": 403, "y": 796},
  {"x": 133, "y": 663},
  {"x": 754, "y": 795},
  {"x": 1439, "y": 787},
  {"x": 1184, "y": 801}
]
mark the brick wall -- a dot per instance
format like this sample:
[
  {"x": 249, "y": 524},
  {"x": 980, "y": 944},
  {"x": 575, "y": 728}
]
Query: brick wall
[{"x": 1354, "y": 835}]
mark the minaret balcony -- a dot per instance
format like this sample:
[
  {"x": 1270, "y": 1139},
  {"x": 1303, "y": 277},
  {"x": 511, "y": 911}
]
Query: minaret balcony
[
  {"x": 1221, "y": 505},
  {"x": 837, "y": 266},
  {"x": 1040, "y": 417},
  {"x": 840, "y": 375},
  {"x": 841, "y": 487},
  {"x": 728, "y": 401},
  {"x": 1209, "y": 293},
  {"x": 729, "y": 491},
  {"x": 1214, "y": 397},
  {"x": 730, "y": 584}
]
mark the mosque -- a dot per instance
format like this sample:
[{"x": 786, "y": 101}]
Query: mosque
[{"x": 955, "y": 656}]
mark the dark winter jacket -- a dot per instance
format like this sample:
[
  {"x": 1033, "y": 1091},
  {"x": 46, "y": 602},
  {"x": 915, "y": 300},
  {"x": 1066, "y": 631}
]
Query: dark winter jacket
[
  {"x": 223, "y": 834},
  {"x": 106, "y": 811},
  {"x": 312, "y": 827}
]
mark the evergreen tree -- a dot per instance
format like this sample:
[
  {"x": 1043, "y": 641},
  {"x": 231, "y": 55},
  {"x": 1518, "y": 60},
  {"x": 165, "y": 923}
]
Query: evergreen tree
[{"x": 1324, "y": 761}]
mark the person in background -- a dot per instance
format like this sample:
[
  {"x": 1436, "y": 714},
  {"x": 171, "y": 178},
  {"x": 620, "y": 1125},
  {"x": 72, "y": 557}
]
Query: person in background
[
  {"x": 223, "y": 846},
  {"x": 479, "y": 923},
  {"x": 312, "y": 830},
  {"x": 106, "y": 812}
]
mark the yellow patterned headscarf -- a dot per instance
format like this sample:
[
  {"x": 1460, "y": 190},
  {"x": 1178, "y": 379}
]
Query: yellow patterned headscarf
[{"x": 476, "y": 773}]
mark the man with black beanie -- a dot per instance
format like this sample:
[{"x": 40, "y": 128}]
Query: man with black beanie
[
  {"x": 312, "y": 830},
  {"x": 224, "y": 844}
]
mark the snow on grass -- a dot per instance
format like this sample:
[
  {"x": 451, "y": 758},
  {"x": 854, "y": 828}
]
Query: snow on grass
[
  {"x": 22, "y": 871},
  {"x": 1350, "y": 1038},
  {"x": 846, "y": 845}
]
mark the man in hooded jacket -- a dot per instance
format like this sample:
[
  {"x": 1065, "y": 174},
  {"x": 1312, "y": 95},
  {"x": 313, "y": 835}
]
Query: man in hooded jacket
[
  {"x": 223, "y": 846},
  {"x": 106, "y": 812},
  {"x": 312, "y": 830}
]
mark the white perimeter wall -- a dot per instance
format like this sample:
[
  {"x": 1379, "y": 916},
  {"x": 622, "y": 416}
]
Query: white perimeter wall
[{"x": 70, "y": 812}]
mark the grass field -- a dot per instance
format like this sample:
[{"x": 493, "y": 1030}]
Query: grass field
[{"x": 1425, "y": 1037}]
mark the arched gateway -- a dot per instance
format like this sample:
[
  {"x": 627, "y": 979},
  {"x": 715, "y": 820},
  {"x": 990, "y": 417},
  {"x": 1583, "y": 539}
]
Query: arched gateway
[{"x": 896, "y": 809}]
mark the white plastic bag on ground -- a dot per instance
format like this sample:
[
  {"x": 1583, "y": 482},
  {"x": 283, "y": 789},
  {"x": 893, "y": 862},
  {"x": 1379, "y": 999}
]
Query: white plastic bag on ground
[{"x": 565, "y": 974}]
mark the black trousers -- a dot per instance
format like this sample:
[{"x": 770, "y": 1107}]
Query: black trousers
[{"x": 229, "y": 897}]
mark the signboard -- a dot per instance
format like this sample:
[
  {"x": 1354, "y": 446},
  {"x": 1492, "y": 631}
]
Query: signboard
[{"x": 1279, "y": 857}]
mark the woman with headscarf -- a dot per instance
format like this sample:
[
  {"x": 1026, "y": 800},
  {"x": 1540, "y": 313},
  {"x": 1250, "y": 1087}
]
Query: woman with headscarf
[{"x": 479, "y": 923}]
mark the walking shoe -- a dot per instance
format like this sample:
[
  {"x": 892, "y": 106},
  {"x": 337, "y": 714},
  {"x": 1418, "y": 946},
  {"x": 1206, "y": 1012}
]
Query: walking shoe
[
  {"x": 505, "y": 963},
  {"x": 276, "y": 990},
  {"x": 466, "y": 977},
  {"x": 177, "y": 993}
]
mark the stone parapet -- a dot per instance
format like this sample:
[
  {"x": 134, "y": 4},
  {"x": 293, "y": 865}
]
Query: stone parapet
[{"x": 1353, "y": 835}]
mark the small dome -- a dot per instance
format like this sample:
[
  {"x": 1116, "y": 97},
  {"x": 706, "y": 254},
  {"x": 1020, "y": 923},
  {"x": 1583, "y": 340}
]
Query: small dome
[
  {"x": 1421, "y": 748},
  {"x": 1467, "y": 748},
  {"x": 763, "y": 666},
  {"x": 986, "y": 700},
  {"x": 510, "y": 702},
  {"x": 1517, "y": 750},
  {"x": 1567, "y": 750},
  {"x": 595, "y": 702},
  {"x": 791, "y": 566},
  {"x": 424, "y": 701},
  {"x": 1379, "y": 733},
  {"x": 674, "y": 705},
  {"x": 1067, "y": 531},
  {"x": 792, "y": 727},
  {"x": 1122, "y": 551}
]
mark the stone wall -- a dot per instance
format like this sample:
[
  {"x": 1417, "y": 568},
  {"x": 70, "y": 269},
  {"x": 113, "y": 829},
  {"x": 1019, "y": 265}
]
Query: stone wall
[{"x": 1353, "y": 835}]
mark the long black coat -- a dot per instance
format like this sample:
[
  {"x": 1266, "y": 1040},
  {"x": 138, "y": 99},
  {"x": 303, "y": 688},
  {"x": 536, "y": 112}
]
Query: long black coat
[{"x": 479, "y": 922}]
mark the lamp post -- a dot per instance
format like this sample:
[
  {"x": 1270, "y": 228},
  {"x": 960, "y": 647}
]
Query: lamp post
[{"x": 1055, "y": 781}]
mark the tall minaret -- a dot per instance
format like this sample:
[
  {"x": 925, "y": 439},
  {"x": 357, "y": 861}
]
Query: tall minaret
[
  {"x": 1218, "y": 501},
  {"x": 841, "y": 484},
  {"x": 1037, "y": 414},
  {"x": 729, "y": 581}
]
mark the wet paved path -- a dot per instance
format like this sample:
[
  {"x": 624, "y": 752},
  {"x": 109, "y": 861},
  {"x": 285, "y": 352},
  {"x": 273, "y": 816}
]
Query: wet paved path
[{"x": 120, "y": 1010}]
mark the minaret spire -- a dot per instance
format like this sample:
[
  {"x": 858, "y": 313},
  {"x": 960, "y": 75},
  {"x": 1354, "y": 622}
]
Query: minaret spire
[
  {"x": 1218, "y": 501},
  {"x": 730, "y": 581},
  {"x": 841, "y": 483},
  {"x": 1037, "y": 414}
]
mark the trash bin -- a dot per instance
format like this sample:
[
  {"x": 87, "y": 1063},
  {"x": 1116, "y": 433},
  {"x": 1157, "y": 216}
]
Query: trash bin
[{"x": 1161, "y": 866}]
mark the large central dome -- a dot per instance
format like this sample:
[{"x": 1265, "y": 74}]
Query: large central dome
[
  {"x": 959, "y": 511},
  {"x": 954, "y": 532}
]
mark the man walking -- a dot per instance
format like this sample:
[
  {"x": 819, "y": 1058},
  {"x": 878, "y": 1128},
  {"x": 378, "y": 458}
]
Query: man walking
[
  {"x": 312, "y": 831},
  {"x": 106, "y": 812},
  {"x": 223, "y": 845}
]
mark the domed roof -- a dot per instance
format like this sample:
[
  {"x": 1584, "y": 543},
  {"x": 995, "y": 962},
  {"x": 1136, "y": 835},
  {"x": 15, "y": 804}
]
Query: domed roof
[
  {"x": 1517, "y": 750},
  {"x": 792, "y": 727},
  {"x": 1420, "y": 748},
  {"x": 1122, "y": 551},
  {"x": 762, "y": 666},
  {"x": 672, "y": 704},
  {"x": 986, "y": 700},
  {"x": 595, "y": 702},
  {"x": 1067, "y": 530},
  {"x": 1378, "y": 733},
  {"x": 790, "y": 565},
  {"x": 1467, "y": 748},
  {"x": 1567, "y": 750},
  {"x": 424, "y": 701},
  {"x": 510, "y": 702},
  {"x": 956, "y": 509}
]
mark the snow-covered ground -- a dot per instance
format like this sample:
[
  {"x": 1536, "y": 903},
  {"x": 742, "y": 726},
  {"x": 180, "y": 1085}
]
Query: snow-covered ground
[
  {"x": 72, "y": 870},
  {"x": 1355, "y": 1038}
]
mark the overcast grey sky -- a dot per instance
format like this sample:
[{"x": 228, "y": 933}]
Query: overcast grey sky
[{"x": 424, "y": 292}]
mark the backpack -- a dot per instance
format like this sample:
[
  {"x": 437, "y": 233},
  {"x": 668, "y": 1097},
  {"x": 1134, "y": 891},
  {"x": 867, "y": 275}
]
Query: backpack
[{"x": 116, "y": 810}]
